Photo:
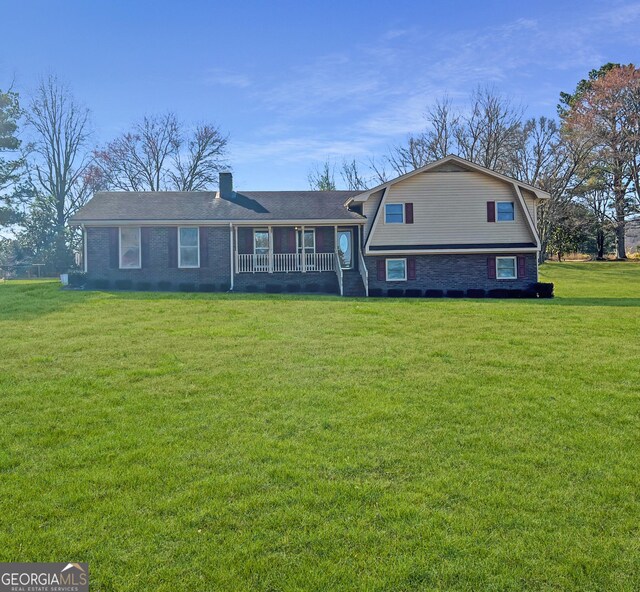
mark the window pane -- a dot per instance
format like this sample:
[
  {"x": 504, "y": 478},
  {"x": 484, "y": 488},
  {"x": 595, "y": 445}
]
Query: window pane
[
  {"x": 506, "y": 268},
  {"x": 396, "y": 269},
  {"x": 189, "y": 237},
  {"x": 129, "y": 247},
  {"x": 188, "y": 256},
  {"x": 261, "y": 241},
  {"x": 394, "y": 213},
  {"x": 505, "y": 211},
  {"x": 309, "y": 240}
]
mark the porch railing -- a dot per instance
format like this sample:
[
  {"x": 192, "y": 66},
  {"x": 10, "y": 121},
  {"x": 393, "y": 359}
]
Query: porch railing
[
  {"x": 364, "y": 273},
  {"x": 284, "y": 262},
  {"x": 339, "y": 273}
]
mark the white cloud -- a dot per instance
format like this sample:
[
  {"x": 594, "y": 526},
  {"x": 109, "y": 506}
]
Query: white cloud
[{"x": 218, "y": 77}]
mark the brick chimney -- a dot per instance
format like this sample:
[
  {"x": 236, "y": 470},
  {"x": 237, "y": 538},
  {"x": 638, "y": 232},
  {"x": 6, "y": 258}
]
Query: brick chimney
[{"x": 225, "y": 185}]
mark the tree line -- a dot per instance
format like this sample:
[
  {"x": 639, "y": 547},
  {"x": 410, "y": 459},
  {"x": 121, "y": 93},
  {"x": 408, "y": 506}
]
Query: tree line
[
  {"x": 49, "y": 168},
  {"x": 588, "y": 158}
]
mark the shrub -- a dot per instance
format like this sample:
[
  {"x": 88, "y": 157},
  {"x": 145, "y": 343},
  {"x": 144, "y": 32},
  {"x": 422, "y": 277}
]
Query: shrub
[
  {"x": 395, "y": 292},
  {"x": 544, "y": 289},
  {"x": 273, "y": 288},
  {"x": 375, "y": 292},
  {"x": 187, "y": 287},
  {"x": 123, "y": 284},
  {"x": 143, "y": 286},
  {"x": 529, "y": 293},
  {"x": 251, "y": 288},
  {"x": 413, "y": 293},
  {"x": 433, "y": 293},
  {"x": 225, "y": 287},
  {"x": 293, "y": 287},
  {"x": 455, "y": 293},
  {"x": 99, "y": 284},
  {"x": 165, "y": 286},
  {"x": 514, "y": 293},
  {"x": 77, "y": 279},
  {"x": 498, "y": 293},
  {"x": 312, "y": 287},
  {"x": 207, "y": 287},
  {"x": 475, "y": 293}
]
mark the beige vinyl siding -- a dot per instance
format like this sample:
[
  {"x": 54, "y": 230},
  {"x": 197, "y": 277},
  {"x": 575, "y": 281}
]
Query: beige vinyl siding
[
  {"x": 369, "y": 209},
  {"x": 451, "y": 208},
  {"x": 530, "y": 200}
]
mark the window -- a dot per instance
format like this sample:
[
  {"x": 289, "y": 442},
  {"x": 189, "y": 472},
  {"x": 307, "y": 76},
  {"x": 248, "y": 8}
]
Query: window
[
  {"x": 506, "y": 268},
  {"x": 309, "y": 240},
  {"x": 261, "y": 242},
  {"x": 130, "y": 247},
  {"x": 396, "y": 270},
  {"x": 505, "y": 211},
  {"x": 394, "y": 214},
  {"x": 188, "y": 246}
]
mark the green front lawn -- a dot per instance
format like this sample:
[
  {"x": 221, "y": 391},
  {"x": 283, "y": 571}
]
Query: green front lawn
[{"x": 247, "y": 442}]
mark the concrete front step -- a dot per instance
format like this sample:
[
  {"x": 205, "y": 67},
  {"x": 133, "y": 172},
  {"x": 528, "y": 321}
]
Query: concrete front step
[{"x": 352, "y": 284}]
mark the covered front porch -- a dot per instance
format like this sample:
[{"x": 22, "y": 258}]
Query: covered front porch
[{"x": 295, "y": 249}]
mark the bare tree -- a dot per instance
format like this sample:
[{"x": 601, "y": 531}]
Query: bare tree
[
  {"x": 196, "y": 168},
  {"x": 487, "y": 134},
  {"x": 59, "y": 157},
  {"x": 352, "y": 176},
  {"x": 442, "y": 123},
  {"x": 158, "y": 155}
]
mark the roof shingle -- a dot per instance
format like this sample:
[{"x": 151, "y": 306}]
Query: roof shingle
[{"x": 205, "y": 205}]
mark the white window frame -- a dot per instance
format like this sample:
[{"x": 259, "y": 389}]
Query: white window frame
[
  {"x": 513, "y": 203},
  {"x": 197, "y": 229},
  {"x": 515, "y": 268},
  {"x": 394, "y": 204},
  {"x": 266, "y": 231},
  {"x": 386, "y": 270},
  {"x": 139, "y": 266},
  {"x": 299, "y": 236}
]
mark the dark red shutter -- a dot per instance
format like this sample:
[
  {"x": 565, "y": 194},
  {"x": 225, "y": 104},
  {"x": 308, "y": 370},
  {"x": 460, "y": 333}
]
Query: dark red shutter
[
  {"x": 408, "y": 213},
  {"x": 522, "y": 267},
  {"x": 382, "y": 275},
  {"x": 491, "y": 211},
  {"x": 114, "y": 248},
  {"x": 291, "y": 240},
  {"x": 411, "y": 268},
  {"x": 172, "y": 243},
  {"x": 320, "y": 232},
  {"x": 277, "y": 240},
  {"x": 491, "y": 268},
  {"x": 145, "y": 237},
  {"x": 204, "y": 246}
]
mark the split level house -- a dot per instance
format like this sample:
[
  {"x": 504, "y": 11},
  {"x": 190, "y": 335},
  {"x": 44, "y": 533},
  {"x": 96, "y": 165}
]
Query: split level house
[{"x": 450, "y": 225}]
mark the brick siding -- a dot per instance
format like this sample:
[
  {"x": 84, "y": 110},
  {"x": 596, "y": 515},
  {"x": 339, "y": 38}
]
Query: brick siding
[
  {"x": 453, "y": 272},
  {"x": 156, "y": 268}
]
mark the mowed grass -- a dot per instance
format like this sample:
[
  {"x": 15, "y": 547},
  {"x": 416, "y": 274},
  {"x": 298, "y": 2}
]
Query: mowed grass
[{"x": 247, "y": 442}]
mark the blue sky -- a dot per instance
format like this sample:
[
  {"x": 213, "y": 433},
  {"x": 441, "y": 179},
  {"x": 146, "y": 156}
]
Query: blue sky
[{"x": 296, "y": 82}]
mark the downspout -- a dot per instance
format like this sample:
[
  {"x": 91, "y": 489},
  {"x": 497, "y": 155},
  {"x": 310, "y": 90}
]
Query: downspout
[
  {"x": 84, "y": 249},
  {"x": 231, "y": 255}
]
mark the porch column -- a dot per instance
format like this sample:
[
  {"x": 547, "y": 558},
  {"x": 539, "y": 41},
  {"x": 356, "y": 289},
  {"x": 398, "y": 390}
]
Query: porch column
[
  {"x": 235, "y": 250},
  {"x": 270, "y": 249},
  {"x": 303, "y": 258}
]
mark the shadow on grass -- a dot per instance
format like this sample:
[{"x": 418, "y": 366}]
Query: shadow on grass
[{"x": 23, "y": 300}]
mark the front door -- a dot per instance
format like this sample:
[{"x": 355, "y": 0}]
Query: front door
[{"x": 345, "y": 248}]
